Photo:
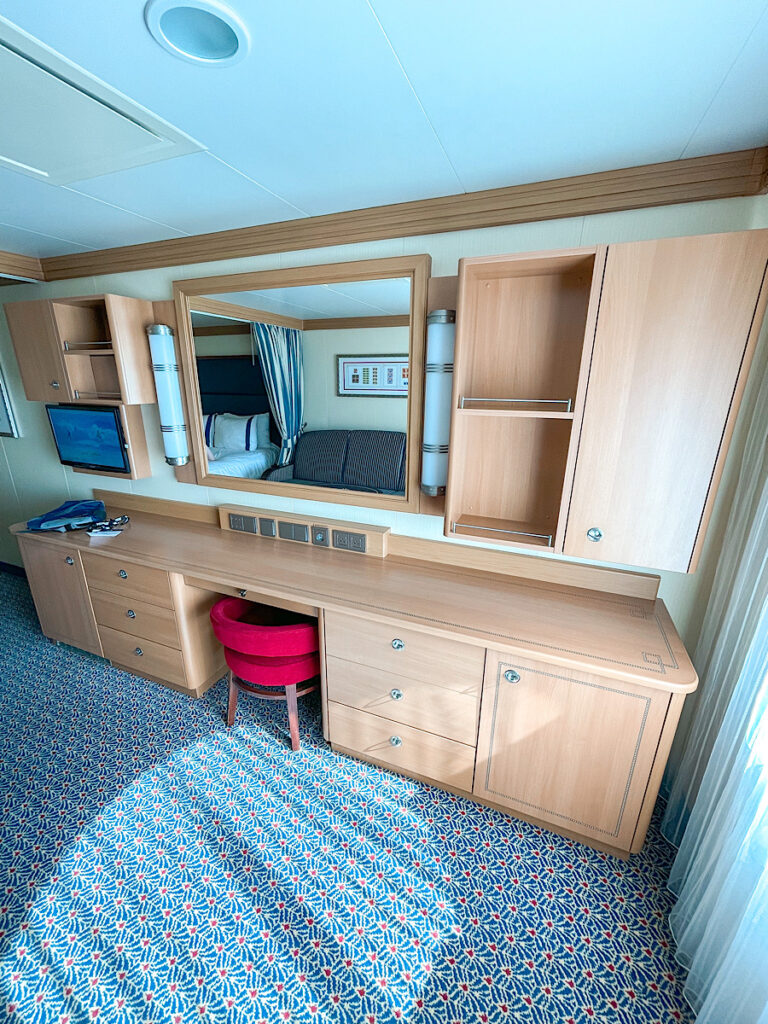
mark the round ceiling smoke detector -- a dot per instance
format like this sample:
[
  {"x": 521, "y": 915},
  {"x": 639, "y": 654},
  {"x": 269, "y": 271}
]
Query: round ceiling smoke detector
[{"x": 200, "y": 31}]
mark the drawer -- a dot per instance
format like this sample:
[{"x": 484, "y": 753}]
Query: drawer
[
  {"x": 128, "y": 579},
  {"x": 135, "y": 617},
  {"x": 252, "y": 595},
  {"x": 154, "y": 660},
  {"x": 406, "y": 652},
  {"x": 414, "y": 751},
  {"x": 412, "y": 702}
]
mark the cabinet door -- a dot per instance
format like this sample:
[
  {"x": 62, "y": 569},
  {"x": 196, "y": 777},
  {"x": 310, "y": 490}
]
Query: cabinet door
[
  {"x": 60, "y": 593},
  {"x": 567, "y": 747},
  {"x": 677, "y": 323},
  {"x": 38, "y": 352}
]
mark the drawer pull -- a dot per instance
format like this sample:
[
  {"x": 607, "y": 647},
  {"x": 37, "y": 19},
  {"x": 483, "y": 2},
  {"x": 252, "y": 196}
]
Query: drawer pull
[
  {"x": 595, "y": 534},
  {"x": 69, "y": 560},
  {"x": 395, "y": 741},
  {"x": 123, "y": 574},
  {"x": 396, "y": 694},
  {"x": 55, "y": 385},
  {"x": 131, "y": 613},
  {"x": 138, "y": 651},
  {"x": 243, "y": 593},
  {"x": 398, "y": 644},
  {"x": 511, "y": 676}
]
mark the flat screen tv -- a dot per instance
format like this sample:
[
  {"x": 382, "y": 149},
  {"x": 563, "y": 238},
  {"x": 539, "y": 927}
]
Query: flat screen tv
[{"x": 89, "y": 437}]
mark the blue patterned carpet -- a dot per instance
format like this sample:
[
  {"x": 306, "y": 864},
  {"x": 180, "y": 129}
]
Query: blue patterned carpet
[{"x": 155, "y": 867}]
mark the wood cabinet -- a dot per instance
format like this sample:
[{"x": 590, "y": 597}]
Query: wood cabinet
[
  {"x": 57, "y": 581},
  {"x": 568, "y": 747},
  {"x": 414, "y": 660},
  {"x": 86, "y": 349},
  {"x": 595, "y": 394},
  {"x": 675, "y": 333}
]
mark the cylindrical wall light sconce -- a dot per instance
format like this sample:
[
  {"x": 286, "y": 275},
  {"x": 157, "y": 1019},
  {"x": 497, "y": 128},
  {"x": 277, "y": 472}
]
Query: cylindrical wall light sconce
[
  {"x": 438, "y": 388},
  {"x": 168, "y": 387}
]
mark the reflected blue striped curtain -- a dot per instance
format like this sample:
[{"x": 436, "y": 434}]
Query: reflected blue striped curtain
[{"x": 281, "y": 355}]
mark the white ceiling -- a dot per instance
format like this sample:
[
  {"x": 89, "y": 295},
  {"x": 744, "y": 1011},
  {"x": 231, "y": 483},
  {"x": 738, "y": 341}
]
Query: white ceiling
[
  {"x": 388, "y": 297},
  {"x": 361, "y": 102}
]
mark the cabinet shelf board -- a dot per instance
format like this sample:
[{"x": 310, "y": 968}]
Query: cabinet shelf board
[
  {"x": 93, "y": 348},
  {"x": 539, "y": 414},
  {"x": 505, "y": 531}
]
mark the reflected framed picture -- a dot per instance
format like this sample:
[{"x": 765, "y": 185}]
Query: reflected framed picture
[
  {"x": 8, "y": 425},
  {"x": 372, "y": 376}
]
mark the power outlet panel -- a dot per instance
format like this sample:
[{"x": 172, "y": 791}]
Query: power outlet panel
[{"x": 311, "y": 531}]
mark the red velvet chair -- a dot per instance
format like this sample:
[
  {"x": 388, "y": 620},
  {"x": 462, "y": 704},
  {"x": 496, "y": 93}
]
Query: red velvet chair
[{"x": 267, "y": 648}]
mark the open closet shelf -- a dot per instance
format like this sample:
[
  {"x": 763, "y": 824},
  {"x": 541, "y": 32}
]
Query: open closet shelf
[
  {"x": 504, "y": 531},
  {"x": 494, "y": 410},
  {"x": 92, "y": 348}
]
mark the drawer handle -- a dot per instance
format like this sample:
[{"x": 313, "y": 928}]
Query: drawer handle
[
  {"x": 398, "y": 644},
  {"x": 55, "y": 385},
  {"x": 395, "y": 741},
  {"x": 69, "y": 560},
  {"x": 243, "y": 593},
  {"x": 595, "y": 534},
  {"x": 131, "y": 613},
  {"x": 123, "y": 574},
  {"x": 138, "y": 651},
  {"x": 396, "y": 694},
  {"x": 511, "y": 676}
]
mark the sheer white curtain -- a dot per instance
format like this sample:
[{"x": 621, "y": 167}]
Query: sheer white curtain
[{"x": 718, "y": 806}]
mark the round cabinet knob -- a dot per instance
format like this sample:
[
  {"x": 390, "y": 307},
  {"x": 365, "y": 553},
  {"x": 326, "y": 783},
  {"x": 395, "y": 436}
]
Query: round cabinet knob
[
  {"x": 595, "y": 534},
  {"x": 123, "y": 574},
  {"x": 55, "y": 385},
  {"x": 131, "y": 613},
  {"x": 398, "y": 644},
  {"x": 395, "y": 741},
  {"x": 511, "y": 676},
  {"x": 69, "y": 560},
  {"x": 243, "y": 593},
  {"x": 396, "y": 694},
  {"x": 138, "y": 651}
]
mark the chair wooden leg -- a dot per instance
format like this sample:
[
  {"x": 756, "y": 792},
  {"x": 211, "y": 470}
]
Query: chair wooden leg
[
  {"x": 232, "y": 705},
  {"x": 293, "y": 716}
]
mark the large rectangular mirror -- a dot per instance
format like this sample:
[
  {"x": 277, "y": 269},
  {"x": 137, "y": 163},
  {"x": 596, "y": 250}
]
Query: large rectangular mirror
[{"x": 308, "y": 381}]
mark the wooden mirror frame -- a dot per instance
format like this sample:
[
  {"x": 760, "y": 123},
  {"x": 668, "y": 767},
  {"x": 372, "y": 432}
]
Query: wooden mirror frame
[{"x": 417, "y": 268}]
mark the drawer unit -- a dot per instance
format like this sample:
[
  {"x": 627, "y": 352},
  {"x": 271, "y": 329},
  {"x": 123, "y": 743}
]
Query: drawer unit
[
  {"x": 143, "y": 656},
  {"x": 401, "y": 747},
  {"x": 127, "y": 579},
  {"x": 437, "y": 709},
  {"x": 405, "y": 652},
  {"x": 136, "y": 617}
]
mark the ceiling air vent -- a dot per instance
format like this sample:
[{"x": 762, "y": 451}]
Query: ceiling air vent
[{"x": 64, "y": 125}]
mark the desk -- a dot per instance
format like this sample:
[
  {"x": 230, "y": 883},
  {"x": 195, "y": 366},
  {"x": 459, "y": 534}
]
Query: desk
[{"x": 555, "y": 703}]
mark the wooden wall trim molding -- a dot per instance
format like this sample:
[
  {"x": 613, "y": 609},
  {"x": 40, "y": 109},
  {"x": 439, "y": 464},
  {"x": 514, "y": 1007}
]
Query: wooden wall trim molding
[
  {"x": 218, "y": 307},
  {"x": 720, "y": 176},
  {"x": 28, "y": 268}
]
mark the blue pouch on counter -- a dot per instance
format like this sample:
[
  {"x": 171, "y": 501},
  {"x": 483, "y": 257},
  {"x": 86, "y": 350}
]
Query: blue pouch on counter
[{"x": 69, "y": 516}]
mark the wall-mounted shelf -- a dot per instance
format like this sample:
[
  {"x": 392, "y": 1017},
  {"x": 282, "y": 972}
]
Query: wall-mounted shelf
[
  {"x": 539, "y": 405},
  {"x": 501, "y": 531},
  {"x": 89, "y": 348},
  {"x": 519, "y": 348},
  {"x": 539, "y": 414}
]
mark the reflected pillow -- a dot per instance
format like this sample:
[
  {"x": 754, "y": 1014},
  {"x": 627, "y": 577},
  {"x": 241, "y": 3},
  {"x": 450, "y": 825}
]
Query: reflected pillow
[{"x": 237, "y": 433}]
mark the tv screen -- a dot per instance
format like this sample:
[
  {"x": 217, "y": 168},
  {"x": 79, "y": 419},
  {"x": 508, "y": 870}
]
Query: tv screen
[{"x": 89, "y": 437}]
